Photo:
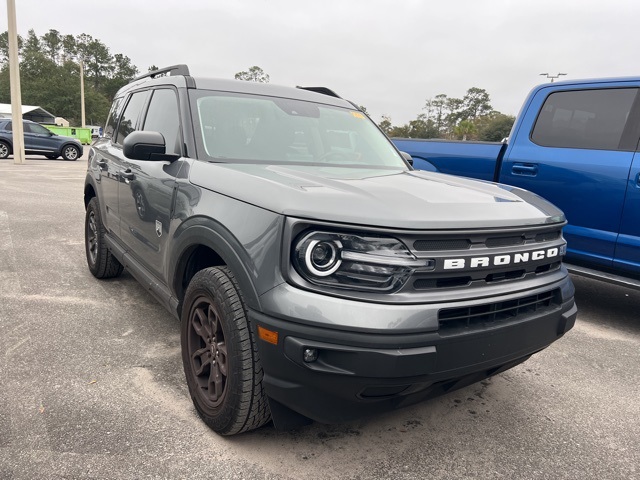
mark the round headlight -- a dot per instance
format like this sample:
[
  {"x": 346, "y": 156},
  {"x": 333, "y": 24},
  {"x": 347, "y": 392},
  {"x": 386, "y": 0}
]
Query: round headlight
[{"x": 322, "y": 257}]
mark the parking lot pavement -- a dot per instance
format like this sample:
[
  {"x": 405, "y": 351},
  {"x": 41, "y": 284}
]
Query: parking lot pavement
[{"x": 91, "y": 382}]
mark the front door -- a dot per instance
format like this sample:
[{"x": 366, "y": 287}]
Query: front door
[
  {"x": 627, "y": 255},
  {"x": 146, "y": 196},
  {"x": 578, "y": 156}
]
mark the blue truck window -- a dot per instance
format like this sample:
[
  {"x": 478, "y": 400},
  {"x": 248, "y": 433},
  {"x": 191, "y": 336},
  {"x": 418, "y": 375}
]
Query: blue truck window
[{"x": 593, "y": 119}]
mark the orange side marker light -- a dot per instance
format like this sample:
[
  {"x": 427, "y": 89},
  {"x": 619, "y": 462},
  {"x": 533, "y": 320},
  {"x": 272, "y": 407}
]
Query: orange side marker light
[{"x": 268, "y": 336}]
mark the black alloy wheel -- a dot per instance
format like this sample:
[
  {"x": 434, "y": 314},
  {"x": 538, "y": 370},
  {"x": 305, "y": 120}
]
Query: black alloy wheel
[
  {"x": 220, "y": 356},
  {"x": 100, "y": 260}
]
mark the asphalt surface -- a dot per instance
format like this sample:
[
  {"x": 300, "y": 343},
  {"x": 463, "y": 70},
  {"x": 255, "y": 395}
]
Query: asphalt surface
[{"x": 91, "y": 381}]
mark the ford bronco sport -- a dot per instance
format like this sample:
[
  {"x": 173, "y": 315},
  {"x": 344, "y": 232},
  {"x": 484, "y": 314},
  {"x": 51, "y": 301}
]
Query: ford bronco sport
[{"x": 316, "y": 275}]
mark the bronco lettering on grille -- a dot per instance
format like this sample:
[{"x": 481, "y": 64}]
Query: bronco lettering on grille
[{"x": 500, "y": 260}]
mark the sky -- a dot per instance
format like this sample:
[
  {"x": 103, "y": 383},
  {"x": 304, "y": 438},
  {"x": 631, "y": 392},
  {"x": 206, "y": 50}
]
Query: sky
[{"x": 388, "y": 56}]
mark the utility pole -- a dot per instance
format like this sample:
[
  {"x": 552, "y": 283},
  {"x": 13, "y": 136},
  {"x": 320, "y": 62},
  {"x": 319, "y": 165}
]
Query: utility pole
[
  {"x": 552, "y": 77},
  {"x": 14, "y": 81},
  {"x": 82, "y": 91}
]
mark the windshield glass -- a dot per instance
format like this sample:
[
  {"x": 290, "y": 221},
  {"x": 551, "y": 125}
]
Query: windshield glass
[{"x": 238, "y": 128}]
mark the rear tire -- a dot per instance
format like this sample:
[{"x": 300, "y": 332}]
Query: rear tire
[
  {"x": 220, "y": 356},
  {"x": 101, "y": 262},
  {"x": 5, "y": 150}
]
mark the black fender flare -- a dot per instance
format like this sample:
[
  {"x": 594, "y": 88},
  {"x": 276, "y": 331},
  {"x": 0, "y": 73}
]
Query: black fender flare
[{"x": 204, "y": 231}]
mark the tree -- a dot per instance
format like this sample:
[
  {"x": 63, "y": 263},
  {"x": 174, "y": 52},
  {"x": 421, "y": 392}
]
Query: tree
[
  {"x": 475, "y": 103},
  {"x": 4, "y": 46},
  {"x": 50, "y": 74},
  {"x": 464, "y": 129},
  {"x": 437, "y": 109},
  {"x": 52, "y": 43},
  {"x": 495, "y": 127},
  {"x": 467, "y": 118},
  {"x": 402, "y": 131},
  {"x": 254, "y": 74},
  {"x": 385, "y": 124}
]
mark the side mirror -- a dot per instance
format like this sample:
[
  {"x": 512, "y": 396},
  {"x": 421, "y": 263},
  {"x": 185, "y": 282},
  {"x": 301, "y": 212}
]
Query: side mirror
[
  {"x": 145, "y": 145},
  {"x": 407, "y": 157}
]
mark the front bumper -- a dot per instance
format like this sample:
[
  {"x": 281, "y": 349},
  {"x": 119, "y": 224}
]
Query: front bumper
[{"x": 359, "y": 373}]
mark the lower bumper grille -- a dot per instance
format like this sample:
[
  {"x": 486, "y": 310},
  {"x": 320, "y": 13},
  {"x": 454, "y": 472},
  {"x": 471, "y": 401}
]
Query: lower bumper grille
[{"x": 479, "y": 317}]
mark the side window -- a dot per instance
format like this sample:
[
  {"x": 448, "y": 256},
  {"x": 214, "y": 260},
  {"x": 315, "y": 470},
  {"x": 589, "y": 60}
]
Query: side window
[
  {"x": 35, "y": 128},
  {"x": 593, "y": 119},
  {"x": 114, "y": 116},
  {"x": 130, "y": 115},
  {"x": 9, "y": 127},
  {"x": 163, "y": 117}
]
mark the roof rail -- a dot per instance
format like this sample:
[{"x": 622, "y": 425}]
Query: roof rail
[
  {"x": 322, "y": 90},
  {"x": 180, "y": 69}
]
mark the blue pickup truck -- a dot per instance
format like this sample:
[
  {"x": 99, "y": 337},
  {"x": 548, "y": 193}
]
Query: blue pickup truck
[{"x": 576, "y": 144}]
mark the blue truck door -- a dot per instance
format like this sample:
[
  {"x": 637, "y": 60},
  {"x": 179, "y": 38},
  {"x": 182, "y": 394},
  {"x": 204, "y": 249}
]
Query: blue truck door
[
  {"x": 571, "y": 150},
  {"x": 627, "y": 256}
]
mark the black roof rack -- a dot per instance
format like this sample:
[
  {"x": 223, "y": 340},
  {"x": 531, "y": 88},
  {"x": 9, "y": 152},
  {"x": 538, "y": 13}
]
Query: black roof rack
[
  {"x": 180, "y": 69},
  {"x": 322, "y": 90}
]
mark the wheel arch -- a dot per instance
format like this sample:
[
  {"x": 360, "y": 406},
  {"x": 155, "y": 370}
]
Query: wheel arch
[
  {"x": 67, "y": 144},
  {"x": 202, "y": 243},
  {"x": 89, "y": 191},
  {"x": 8, "y": 142}
]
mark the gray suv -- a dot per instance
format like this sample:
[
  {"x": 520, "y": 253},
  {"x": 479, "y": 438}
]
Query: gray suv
[
  {"x": 316, "y": 275},
  {"x": 39, "y": 141}
]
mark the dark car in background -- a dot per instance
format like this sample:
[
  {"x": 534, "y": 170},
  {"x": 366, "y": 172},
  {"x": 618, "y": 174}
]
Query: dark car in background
[{"x": 38, "y": 141}]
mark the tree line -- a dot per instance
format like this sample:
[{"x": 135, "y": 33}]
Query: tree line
[
  {"x": 468, "y": 118},
  {"x": 50, "y": 74},
  {"x": 50, "y": 78}
]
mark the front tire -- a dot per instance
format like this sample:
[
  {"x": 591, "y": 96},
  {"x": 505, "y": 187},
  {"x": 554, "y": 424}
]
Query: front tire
[
  {"x": 219, "y": 354},
  {"x": 70, "y": 152},
  {"x": 5, "y": 150},
  {"x": 100, "y": 260},
  {"x": 51, "y": 156}
]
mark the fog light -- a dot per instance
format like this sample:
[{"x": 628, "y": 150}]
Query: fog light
[{"x": 310, "y": 355}]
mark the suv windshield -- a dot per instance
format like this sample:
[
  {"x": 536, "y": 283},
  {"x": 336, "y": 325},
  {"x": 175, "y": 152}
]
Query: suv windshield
[{"x": 238, "y": 128}]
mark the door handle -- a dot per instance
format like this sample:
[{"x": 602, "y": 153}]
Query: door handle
[
  {"x": 527, "y": 169},
  {"x": 127, "y": 174},
  {"x": 638, "y": 180}
]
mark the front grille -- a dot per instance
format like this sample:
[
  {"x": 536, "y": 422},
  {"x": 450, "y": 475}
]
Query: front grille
[
  {"x": 437, "y": 245},
  {"x": 479, "y": 317},
  {"x": 548, "y": 236},
  {"x": 505, "y": 241},
  {"x": 500, "y": 256},
  {"x": 445, "y": 282},
  {"x": 485, "y": 240}
]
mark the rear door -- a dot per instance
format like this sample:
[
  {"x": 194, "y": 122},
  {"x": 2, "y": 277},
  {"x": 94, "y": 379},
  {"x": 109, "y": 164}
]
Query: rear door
[
  {"x": 578, "y": 155},
  {"x": 109, "y": 158}
]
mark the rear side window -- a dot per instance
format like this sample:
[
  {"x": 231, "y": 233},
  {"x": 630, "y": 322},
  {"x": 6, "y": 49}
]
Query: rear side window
[
  {"x": 593, "y": 119},
  {"x": 129, "y": 119},
  {"x": 114, "y": 116}
]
